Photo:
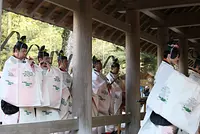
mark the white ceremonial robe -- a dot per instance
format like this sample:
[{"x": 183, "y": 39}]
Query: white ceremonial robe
[
  {"x": 172, "y": 100},
  {"x": 116, "y": 94},
  {"x": 104, "y": 102},
  {"x": 147, "y": 127},
  {"x": 52, "y": 95},
  {"x": 19, "y": 84}
]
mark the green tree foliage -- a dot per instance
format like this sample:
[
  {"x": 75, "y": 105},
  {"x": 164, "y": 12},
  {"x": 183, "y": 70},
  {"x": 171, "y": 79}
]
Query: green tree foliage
[
  {"x": 37, "y": 32},
  {"x": 56, "y": 38}
]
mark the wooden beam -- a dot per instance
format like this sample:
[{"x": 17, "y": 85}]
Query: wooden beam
[
  {"x": 133, "y": 71},
  {"x": 180, "y": 20},
  {"x": 40, "y": 127},
  {"x": 63, "y": 18},
  {"x": 17, "y": 4},
  {"x": 104, "y": 19},
  {"x": 159, "y": 4},
  {"x": 68, "y": 4},
  {"x": 82, "y": 74},
  {"x": 110, "y": 120},
  {"x": 118, "y": 38},
  {"x": 149, "y": 38},
  {"x": 49, "y": 12},
  {"x": 35, "y": 7}
]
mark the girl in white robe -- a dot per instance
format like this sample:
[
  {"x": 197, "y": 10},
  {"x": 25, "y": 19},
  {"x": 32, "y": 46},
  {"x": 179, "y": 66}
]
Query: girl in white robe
[
  {"x": 101, "y": 89},
  {"x": 154, "y": 123},
  {"x": 116, "y": 91}
]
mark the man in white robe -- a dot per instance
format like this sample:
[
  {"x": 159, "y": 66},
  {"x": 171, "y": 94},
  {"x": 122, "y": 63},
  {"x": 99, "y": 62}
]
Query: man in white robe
[
  {"x": 11, "y": 112},
  {"x": 154, "y": 123}
]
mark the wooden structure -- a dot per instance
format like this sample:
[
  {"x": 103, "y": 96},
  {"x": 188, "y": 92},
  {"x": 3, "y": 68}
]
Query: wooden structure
[{"x": 139, "y": 25}]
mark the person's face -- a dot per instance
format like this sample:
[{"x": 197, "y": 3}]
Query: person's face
[
  {"x": 44, "y": 61},
  {"x": 115, "y": 70},
  {"x": 98, "y": 66},
  {"x": 64, "y": 63},
  {"x": 21, "y": 54}
]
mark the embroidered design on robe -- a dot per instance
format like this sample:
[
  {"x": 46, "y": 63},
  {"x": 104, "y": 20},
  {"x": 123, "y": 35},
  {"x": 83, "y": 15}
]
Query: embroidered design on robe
[
  {"x": 46, "y": 112},
  {"x": 27, "y": 84},
  {"x": 27, "y": 112},
  {"x": 9, "y": 82},
  {"x": 57, "y": 88},
  {"x": 163, "y": 96},
  {"x": 27, "y": 74},
  {"x": 57, "y": 79}
]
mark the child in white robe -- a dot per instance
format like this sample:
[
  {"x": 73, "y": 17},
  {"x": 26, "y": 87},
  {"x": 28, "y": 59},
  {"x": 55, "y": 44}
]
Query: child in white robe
[
  {"x": 116, "y": 91},
  {"x": 46, "y": 113},
  {"x": 101, "y": 89},
  {"x": 65, "y": 111}
]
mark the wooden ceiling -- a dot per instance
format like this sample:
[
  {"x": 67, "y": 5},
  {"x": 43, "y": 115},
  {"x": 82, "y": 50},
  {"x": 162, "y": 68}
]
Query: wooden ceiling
[{"x": 181, "y": 17}]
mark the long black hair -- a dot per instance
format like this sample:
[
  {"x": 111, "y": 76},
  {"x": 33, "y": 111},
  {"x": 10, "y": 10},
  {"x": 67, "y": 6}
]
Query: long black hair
[
  {"x": 95, "y": 61},
  {"x": 42, "y": 52},
  {"x": 61, "y": 56},
  {"x": 20, "y": 44},
  {"x": 115, "y": 63}
]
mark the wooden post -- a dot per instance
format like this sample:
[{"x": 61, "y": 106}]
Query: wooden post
[
  {"x": 82, "y": 69},
  {"x": 163, "y": 38},
  {"x": 133, "y": 71},
  {"x": 183, "y": 63}
]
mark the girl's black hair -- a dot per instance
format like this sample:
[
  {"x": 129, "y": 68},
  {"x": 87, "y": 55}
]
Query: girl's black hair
[
  {"x": 19, "y": 45},
  {"x": 95, "y": 60},
  {"x": 42, "y": 52},
  {"x": 115, "y": 63},
  {"x": 61, "y": 56}
]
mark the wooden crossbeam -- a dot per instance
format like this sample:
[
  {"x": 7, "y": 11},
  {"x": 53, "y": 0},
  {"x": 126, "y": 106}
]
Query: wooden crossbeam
[
  {"x": 118, "y": 38},
  {"x": 17, "y": 4},
  {"x": 49, "y": 12},
  {"x": 180, "y": 20},
  {"x": 163, "y": 4},
  {"x": 35, "y": 7},
  {"x": 63, "y": 18}
]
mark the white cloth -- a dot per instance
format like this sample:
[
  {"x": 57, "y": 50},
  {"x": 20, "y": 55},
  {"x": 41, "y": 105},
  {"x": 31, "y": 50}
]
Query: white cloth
[
  {"x": 99, "y": 87},
  {"x": 47, "y": 114},
  {"x": 177, "y": 100},
  {"x": 53, "y": 83},
  {"x": 116, "y": 91},
  {"x": 27, "y": 115},
  {"x": 10, "y": 119},
  {"x": 195, "y": 76},
  {"x": 19, "y": 84}
]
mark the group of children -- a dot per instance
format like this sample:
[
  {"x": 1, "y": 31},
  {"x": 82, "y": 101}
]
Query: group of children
[{"x": 33, "y": 92}]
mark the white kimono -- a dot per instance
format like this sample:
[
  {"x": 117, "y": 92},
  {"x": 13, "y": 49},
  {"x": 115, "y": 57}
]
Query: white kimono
[
  {"x": 52, "y": 95},
  {"x": 147, "y": 127},
  {"x": 19, "y": 86},
  {"x": 116, "y": 94},
  {"x": 103, "y": 103},
  {"x": 196, "y": 77}
]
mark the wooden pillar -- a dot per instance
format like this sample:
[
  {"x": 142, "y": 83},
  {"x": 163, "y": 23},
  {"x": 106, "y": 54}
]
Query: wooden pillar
[
  {"x": 163, "y": 38},
  {"x": 183, "y": 63},
  {"x": 82, "y": 69},
  {"x": 133, "y": 71}
]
